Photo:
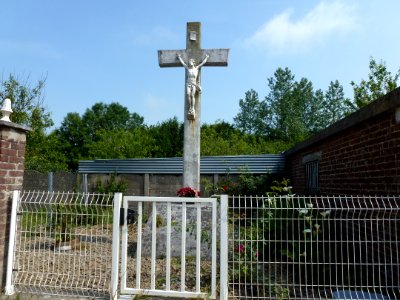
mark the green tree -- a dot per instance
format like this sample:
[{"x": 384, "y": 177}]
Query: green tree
[
  {"x": 47, "y": 155},
  {"x": 120, "y": 143},
  {"x": 26, "y": 101},
  {"x": 216, "y": 142},
  {"x": 79, "y": 134},
  {"x": 168, "y": 137},
  {"x": 302, "y": 99},
  {"x": 249, "y": 118},
  {"x": 42, "y": 151},
  {"x": 286, "y": 106},
  {"x": 380, "y": 82},
  {"x": 326, "y": 108},
  {"x": 334, "y": 105},
  {"x": 72, "y": 138},
  {"x": 314, "y": 119},
  {"x": 223, "y": 138},
  {"x": 278, "y": 102},
  {"x": 292, "y": 110},
  {"x": 109, "y": 116}
]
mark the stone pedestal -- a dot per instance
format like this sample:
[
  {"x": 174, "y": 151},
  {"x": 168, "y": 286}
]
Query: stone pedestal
[{"x": 176, "y": 232}]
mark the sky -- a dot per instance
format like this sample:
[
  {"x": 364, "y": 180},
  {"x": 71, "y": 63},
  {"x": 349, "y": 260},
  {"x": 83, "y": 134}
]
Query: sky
[{"x": 106, "y": 51}]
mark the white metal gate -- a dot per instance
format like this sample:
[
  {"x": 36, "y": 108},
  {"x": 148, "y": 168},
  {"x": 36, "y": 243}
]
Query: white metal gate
[
  {"x": 60, "y": 244},
  {"x": 162, "y": 280}
]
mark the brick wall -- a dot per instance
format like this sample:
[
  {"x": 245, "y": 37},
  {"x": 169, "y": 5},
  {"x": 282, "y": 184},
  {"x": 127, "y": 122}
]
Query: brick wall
[
  {"x": 358, "y": 155},
  {"x": 12, "y": 157}
]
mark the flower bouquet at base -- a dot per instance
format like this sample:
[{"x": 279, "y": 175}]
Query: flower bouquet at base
[{"x": 188, "y": 192}]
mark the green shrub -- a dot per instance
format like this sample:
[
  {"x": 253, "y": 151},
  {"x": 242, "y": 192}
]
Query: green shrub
[
  {"x": 111, "y": 186},
  {"x": 65, "y": 217},
  {"x": 281, "y": 227},
  {"x": 245, "y": 183},
  {"x": 246, "y": 254}
]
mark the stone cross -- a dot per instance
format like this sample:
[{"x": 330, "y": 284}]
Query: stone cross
[{"x": 192, "y": 58}]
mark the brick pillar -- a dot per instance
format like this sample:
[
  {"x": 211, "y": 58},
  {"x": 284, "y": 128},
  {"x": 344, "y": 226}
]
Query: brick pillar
[{"x": 12, "y": 157}]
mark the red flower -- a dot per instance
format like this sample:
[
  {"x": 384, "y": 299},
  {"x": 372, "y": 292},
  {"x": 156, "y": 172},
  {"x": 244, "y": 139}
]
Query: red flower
[
  {"x": 188, "y": 192},
  {"x": 240, "y": 248}
]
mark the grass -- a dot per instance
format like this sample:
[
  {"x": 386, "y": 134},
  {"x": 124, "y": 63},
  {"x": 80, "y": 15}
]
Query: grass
[{"x": 62, "y": 217}]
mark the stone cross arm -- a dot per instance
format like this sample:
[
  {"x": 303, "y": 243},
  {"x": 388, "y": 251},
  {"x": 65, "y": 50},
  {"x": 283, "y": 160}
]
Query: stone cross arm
[{"x": 217, "y": 57}]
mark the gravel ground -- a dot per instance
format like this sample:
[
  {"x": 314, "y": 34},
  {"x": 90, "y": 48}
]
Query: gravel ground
[{"x": 86, "y": 268}]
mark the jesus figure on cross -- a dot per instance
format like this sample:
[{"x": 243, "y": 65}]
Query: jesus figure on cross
[{"x": 192, "y": 84}]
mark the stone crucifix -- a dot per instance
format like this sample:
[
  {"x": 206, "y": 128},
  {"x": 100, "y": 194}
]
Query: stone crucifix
[{"x": 192, "y": 59}]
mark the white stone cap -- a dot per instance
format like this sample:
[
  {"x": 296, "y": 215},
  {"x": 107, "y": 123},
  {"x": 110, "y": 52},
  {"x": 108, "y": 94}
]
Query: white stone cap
[{"x": 6, "y": 110}]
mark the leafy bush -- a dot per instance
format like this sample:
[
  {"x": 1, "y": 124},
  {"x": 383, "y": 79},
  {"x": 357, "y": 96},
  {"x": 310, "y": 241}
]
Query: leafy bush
[
  {"x": 113, "y": 185},
  {"x": 245, "y": 183},
  {"x": 65, "y": 217},
  {"x": 279, "y": 227},
  {"x": 288, "y": 218},
  {"x": 246, "y": 254}
]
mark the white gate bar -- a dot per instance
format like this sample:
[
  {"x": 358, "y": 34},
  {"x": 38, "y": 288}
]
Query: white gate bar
[
  {"x": 168, "y": 254},
  {"x": 139, "y": 244},
  {"x": 163, "y": 293},
  {"x": 168, "y": 199},
  {"x": 9, "y": 288},
  {"x": 183, "y": 249},
  {"x": 224, "y": 249},
  {"x": 214, "y": 251},
  {"x": 198, "y": 247},
  {"x": 115, "y": 246},
  {"x": 124, "y": 250},
  {"x": 153, "y": 248}
]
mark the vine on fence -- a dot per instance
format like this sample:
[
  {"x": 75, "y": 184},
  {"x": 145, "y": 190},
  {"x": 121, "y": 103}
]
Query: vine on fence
[{"x": 283, "y": 227}]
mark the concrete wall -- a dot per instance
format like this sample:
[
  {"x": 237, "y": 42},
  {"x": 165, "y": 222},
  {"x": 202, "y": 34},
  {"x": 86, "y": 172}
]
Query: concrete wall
[
  {"x": 62, "y": 181},
  {"x": 161, "y": 185},
  {"x": 12, "y": 158},
  {"x": 358, "y": 155}
]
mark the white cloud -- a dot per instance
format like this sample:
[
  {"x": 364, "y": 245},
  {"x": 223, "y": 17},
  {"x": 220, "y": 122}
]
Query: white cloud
[{"x": 284, "y": 33}]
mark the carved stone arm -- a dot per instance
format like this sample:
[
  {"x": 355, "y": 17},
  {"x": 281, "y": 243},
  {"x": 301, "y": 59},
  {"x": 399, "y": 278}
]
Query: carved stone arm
[
  {"x": 181, "y": 60},
  {"x": 204, "y": 61}
]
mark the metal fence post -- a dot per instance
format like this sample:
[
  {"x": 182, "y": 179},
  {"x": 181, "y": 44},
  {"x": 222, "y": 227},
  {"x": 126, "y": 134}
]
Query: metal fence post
[
  {"x": 214, "y": 250},
  {"x": 115, "y": 246},
  {"x": 224, "y": 249},
  {"x": 50, "y": 177},
  {"x": 9, "y": 288}
]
